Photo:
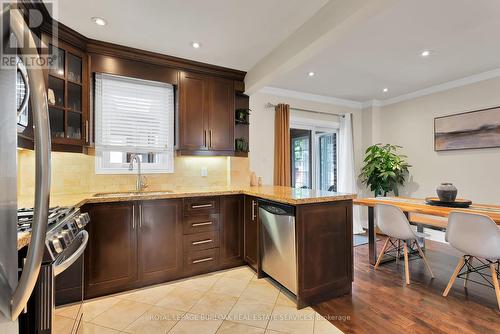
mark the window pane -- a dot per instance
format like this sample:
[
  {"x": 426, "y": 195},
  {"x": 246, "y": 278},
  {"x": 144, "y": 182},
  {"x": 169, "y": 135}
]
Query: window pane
[
  {"x": 56, "y": 117},
  {"x": 74, "y": 97},
  {"x": 327, "y": 162},
  {"x": 74, "y": 68},
  {"x": 116, "y": 157},
  {"x": 74, "y": 125},
  {"x": 55, "y": 93},
  {"x": 57, "y": 57},
  {"x": 301, "y": 158}
]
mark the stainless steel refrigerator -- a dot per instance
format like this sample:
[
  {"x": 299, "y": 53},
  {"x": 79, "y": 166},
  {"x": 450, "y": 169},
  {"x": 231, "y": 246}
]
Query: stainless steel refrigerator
[{"x": 15, "y": 290}]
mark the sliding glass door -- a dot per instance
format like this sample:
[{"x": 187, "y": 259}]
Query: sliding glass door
[
  {"x": 326, "y": 161},
  {"x": 314, "y": 157},
  {"x": 301, "y": 158}
]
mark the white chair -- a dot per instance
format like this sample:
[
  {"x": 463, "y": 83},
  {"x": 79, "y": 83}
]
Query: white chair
[
  {"x": 395, "y": 225},
  {"x": 476, "y": 236}
]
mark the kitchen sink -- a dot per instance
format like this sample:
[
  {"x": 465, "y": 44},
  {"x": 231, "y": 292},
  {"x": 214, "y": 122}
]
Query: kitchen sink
[{"x": 133, "y": 193}]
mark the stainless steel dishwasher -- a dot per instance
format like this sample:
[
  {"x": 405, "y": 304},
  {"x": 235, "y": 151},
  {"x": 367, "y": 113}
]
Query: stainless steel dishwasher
[{"x": 279, "y": 255}]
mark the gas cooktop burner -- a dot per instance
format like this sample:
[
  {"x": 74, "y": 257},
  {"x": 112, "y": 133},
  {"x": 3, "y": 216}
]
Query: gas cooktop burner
[{"x": 25, "y": 217}]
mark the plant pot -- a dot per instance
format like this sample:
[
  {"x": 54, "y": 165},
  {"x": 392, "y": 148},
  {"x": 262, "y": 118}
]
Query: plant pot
[{"x": 447, "y": 192}]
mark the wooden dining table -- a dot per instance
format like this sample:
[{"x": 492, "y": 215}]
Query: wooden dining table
[{"x": 419, "y": 213}]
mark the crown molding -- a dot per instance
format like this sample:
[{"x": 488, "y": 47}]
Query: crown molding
[
  {"x": 443, "y": 87},
  {"x": 381, "y": 103},
  {"x": 311, "y": 97}
]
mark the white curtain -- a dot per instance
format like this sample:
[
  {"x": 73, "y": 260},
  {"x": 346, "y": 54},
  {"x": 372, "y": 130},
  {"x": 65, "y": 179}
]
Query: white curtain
[{"x": 346, "y": 169}]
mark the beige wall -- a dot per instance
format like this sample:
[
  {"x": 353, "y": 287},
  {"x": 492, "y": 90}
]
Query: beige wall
[
  {"x": 476, "y": 173},
  {"x": 262, "y": 129},
  {"x": 74, "y": 173}
]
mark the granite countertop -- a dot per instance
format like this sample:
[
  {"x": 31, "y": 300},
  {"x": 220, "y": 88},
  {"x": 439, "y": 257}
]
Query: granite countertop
[{"x": 287, "y": 195}]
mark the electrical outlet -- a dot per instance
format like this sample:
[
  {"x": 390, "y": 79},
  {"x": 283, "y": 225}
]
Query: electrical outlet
[{"x": 204, "y": 171}]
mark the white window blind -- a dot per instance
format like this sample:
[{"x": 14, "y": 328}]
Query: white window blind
[{"x": 134, "y": 116}]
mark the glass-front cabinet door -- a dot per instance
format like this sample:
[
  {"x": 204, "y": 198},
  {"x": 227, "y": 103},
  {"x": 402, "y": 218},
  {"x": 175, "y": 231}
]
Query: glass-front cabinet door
[{"x": 67, "y": 85}]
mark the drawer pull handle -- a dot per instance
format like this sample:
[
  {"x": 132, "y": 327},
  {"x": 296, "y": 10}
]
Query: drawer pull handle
[
  {"x": 201, "y": 224},
  {"x": 201, "y": 242},
  {"x": 203, "y": 260},
  {"x": 199, "y": 206}
]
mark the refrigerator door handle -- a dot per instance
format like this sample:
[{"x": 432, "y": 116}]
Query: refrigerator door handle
[{"x": 41, "y": 123}]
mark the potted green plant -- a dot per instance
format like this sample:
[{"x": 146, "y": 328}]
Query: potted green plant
[
  {"x": 384, "y": 169},
  {"x": 242, "y": 115}
]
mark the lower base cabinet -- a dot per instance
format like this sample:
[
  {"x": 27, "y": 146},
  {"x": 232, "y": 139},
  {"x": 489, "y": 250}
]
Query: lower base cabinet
[
  {"x": 160, "y": 241},
  {"x": 135, "y": 244},
  {"x": 111, "y": 254}
]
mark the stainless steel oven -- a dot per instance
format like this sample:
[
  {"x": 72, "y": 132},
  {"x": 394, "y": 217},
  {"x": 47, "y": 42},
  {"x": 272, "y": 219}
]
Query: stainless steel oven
[{"x": 60, "y": 281}]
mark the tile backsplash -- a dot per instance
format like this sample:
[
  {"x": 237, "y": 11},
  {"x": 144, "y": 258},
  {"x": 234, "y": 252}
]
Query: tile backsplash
[{"x": 75, "y": 173}]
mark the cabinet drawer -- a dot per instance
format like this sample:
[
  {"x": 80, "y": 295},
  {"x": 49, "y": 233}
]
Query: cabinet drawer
[
  {"x": 201, "y": 223},
  {"x": 201, "y": 205},
  {"x": 201, "y": 261},
  {"x": 201, "y": 241}
]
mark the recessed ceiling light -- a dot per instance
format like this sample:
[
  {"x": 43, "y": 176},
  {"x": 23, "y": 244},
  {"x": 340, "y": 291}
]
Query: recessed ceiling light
[
  {"x": 195, "y": 45},
  {"x": 99, "y": 21},
  {"x": 425, "y": 53},
  {"x": 385, "y": 90},
  {"x": 311, "y": 74}
]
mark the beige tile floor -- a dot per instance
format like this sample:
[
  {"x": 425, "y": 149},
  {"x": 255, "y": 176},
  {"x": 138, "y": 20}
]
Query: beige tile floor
[{"x": 230, "y": 301}]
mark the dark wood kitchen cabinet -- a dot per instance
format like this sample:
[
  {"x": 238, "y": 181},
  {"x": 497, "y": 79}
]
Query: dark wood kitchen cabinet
[
  {"x": 206, "y": 115},
  {"x": 111, "y": 254},
  {"x": 132, "y": 244},
  {"x": 160, "y": 240},
  {"x": 68, "y": 96},
  {"x": 231, "y": 231},
  {"x": 251, "y": 231}
]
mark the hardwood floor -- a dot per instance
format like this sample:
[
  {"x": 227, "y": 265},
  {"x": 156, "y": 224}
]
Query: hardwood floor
[{"x": 381, "y": 302}]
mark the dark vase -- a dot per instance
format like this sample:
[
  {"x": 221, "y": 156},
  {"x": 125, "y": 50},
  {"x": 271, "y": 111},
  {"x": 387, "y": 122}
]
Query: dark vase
[{"x": 447, "y": 192}]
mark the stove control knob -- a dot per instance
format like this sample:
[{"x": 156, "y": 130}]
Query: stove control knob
[
  {"x": 66, "y": 235},
  {"x": 56, "y": 245},
  {"x": 79, "y": 222}
]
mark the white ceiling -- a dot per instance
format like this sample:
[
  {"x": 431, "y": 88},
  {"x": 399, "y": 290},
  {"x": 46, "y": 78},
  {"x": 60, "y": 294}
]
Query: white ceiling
[
  {"x": 233, "y": 33},
  {"x": 384, "y": 51},
  {"x": 378, "y": 51}
]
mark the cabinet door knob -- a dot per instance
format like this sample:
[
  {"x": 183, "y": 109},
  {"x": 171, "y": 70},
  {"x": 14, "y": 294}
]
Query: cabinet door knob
[
  {"x": 201, "y": 224},
  {"x": 199, "y": 206},
  {"x": 87, "y": 131},
  {"x": 201, "y": 242},
  {"x": 203, "y": 260}
]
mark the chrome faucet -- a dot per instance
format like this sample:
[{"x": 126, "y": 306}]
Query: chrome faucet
[{"x": 140, "y": 183}]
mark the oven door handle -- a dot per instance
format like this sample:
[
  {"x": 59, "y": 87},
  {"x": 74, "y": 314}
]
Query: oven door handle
[{"x": 73, "y": 257}]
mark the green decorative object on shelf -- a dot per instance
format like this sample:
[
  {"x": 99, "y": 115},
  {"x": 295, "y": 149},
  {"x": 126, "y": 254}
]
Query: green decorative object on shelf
[
  {"x": 242, "y": 115},
  {"x": 384, "y": 169},
  {"x": 241, "y": 144}
]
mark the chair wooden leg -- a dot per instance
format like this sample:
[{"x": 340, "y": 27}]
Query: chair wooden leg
[
  {"x": 454, "y": 276},
  {"x": 469, "y": 260},
  {"x": 495, "y": 282},
  {"x": 407, "y": 266},
  {"x": 425, "y": 259},
  {"x": 381, "y": 255}
]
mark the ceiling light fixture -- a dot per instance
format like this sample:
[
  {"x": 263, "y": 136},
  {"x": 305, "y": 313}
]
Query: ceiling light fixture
[
  {"x": 195, "y": 45},
  {"x": 385, "y": 90},
  {"x": 425, "y": 53},
  {"x": 99, "y": 21},
  {"x": 311, "y": 74}
]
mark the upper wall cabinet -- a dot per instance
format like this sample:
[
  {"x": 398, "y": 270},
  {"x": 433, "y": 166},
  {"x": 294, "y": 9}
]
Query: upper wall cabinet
[
  {"x": 67, "y": 94},
  {"x": 206, "y": 115}
]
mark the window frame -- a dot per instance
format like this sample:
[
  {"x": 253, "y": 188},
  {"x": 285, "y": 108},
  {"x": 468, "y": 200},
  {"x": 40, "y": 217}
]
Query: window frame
[
  {"x": 316, "y": 125},
  {"x": 164, "y": 166}
]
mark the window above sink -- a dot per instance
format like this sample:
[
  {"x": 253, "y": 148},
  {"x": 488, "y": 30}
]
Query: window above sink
[{"x": 133, "y": 116}]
